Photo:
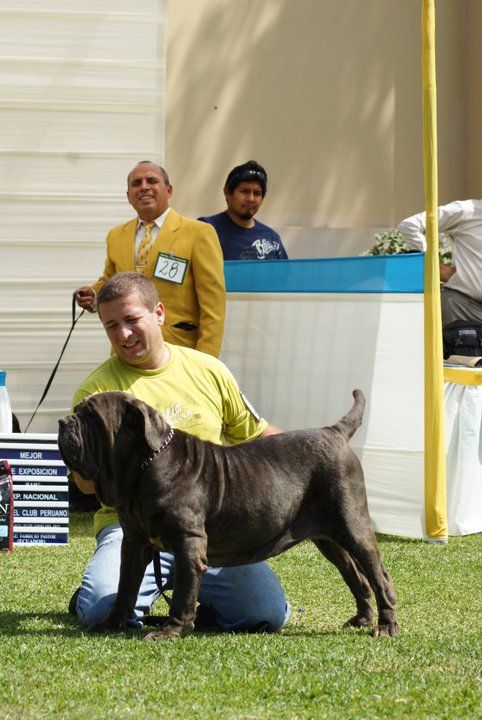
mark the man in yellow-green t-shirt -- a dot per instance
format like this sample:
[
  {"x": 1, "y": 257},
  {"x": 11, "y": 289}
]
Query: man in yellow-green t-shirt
[{"x": 196, "y": 393}]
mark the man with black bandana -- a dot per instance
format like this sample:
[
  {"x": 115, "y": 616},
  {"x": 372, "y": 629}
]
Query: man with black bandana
[{"x": 241, "y": 236}]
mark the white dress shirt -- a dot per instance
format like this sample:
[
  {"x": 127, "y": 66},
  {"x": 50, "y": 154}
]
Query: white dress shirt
[{"x": 462, "y": 221}]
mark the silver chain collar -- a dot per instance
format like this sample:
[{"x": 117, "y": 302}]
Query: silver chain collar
[{"x": 156, "y": 452}]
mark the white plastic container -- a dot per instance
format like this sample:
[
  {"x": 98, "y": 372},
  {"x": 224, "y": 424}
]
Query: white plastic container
[{"x": 5, "y": 407}]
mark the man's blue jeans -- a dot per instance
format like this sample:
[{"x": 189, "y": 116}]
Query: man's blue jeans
[{"x": 247, "y": 597}]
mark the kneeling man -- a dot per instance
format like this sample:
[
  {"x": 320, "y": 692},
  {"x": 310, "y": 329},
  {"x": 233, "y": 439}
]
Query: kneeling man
[{"x": 194, "y": 392}]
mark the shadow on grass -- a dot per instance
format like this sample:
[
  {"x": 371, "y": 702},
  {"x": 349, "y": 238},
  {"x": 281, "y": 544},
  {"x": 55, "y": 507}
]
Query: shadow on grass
[
  {"x": 61, "y": 624},
  {"x": 13, "y": 624},
  {"x": 381, "y": 538}
]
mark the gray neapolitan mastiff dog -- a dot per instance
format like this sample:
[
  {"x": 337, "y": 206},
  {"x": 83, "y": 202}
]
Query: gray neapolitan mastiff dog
[{"x": 225, "y": 506}]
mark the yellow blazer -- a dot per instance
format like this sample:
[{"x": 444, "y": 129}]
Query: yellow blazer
[{"x": 200, "y": 300}]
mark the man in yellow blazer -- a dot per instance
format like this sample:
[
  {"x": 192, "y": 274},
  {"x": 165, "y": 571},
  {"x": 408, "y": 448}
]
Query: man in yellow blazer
[{"x": 183, "y": 259}]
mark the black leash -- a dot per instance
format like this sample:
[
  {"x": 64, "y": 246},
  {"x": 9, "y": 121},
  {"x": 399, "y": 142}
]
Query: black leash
[
  {"x": 157, "y": 620},
  {"x": 49, "y": 383},
  {"x": 156, "y": 561},
  {"x": 205, "y": 617}
]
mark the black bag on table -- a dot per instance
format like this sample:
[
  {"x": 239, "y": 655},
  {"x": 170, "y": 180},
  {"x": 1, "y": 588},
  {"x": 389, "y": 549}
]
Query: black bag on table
[{"x": 462, "y": 338}]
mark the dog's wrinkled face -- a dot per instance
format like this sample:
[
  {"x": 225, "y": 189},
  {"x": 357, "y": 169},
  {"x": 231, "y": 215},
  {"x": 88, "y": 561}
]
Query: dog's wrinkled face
[
  {"x": 107, "y": 438},
  {"x": 74, "y": 432}
]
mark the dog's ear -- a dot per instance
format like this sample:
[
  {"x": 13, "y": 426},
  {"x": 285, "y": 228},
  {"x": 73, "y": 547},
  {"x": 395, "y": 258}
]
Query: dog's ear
[{"x": 153, "y": 425}]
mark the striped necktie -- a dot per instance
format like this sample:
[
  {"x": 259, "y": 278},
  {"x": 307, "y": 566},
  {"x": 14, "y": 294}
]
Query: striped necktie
[{"x": 144, "y": 247}]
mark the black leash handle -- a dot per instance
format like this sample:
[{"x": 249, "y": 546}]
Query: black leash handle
[
  {"x": 156, "y": 560},
  {"x": 49, "y": 383},
  {"x": 157, "y": 620}
]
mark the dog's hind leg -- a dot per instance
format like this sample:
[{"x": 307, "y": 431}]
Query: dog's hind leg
[
  {"x": 364, "y": 551},
  {"x": 382, "y": 586},
  {"x": 354, "y": 578}
]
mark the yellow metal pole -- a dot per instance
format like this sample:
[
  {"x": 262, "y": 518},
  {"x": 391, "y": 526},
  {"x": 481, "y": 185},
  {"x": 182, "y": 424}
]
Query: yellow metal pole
[{"x": 435, "y": 483}]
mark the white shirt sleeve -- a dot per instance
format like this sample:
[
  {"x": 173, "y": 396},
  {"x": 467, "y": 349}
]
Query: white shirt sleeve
[{"x": 413, "y": 228}]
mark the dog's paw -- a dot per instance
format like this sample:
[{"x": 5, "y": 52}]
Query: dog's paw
[
  {"x": 359, "y": 621},
  {"x": 105, "y": 626},
  {"x": 171, "y": 630},
  {"x": 165, "y": 634},
  {"x": 390, "y": 630}
]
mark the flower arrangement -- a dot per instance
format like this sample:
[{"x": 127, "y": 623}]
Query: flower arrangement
[
  {"x": 445, "y": 249},
  {"x": 392, "y": 242}
]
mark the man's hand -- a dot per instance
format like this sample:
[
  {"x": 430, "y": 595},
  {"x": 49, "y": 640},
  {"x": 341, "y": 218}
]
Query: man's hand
[
  {"x": 446, "y": 272},
  {"x": 85, "y": 298},
  {"x": 271, "y": 430}
]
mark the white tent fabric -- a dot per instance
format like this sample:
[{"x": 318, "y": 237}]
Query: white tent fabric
[{"x": 81, "y": 101}]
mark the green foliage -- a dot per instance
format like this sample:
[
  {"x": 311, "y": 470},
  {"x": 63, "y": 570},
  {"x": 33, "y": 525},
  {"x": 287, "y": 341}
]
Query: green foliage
[
  {"x": 392, "y": 242},
  {"x": 314, "y": 668}
]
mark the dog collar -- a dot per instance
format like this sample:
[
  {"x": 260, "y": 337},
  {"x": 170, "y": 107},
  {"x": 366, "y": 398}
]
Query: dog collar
[{"x": 156, "y": 452}]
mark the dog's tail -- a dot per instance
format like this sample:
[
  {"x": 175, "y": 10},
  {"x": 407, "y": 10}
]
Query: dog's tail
[{"x": 353, "y": 419}]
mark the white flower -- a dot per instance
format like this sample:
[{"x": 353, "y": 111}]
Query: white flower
[{"x": 392, "y": 242}]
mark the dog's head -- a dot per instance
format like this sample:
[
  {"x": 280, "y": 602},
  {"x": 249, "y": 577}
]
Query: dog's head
[{"x": 107, "y": 439}]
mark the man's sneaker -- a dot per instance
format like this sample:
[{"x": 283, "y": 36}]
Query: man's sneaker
[{"x": 73, "y": 602}]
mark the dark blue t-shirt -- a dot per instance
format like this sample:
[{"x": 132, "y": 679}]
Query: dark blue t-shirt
[{"x": 238, "y": 243}]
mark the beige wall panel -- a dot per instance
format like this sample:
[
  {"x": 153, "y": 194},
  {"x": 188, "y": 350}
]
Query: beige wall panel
[
  {"x": 326, "y": 95},
  {"x": 452, "y": 91},
  {"x": 473, "y": 139}
]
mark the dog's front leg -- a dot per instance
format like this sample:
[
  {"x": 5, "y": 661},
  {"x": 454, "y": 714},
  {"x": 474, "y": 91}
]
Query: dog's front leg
[
  {"x": 135, "y": 556},
  {"x": 190, "y": 558}
]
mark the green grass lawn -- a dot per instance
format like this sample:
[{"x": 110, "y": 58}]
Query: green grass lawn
[{"x": 313, "y": 669}]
